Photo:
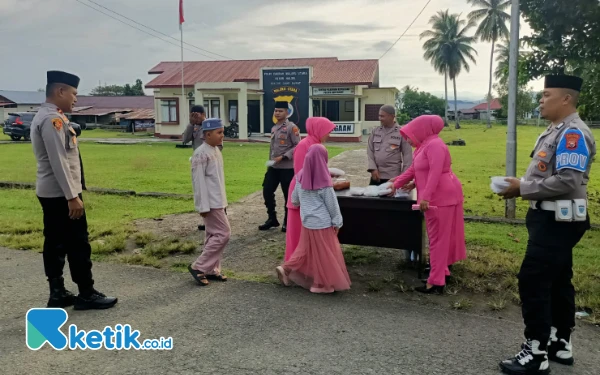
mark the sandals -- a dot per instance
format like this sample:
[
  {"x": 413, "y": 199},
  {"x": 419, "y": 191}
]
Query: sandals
[
  {"x": 200, "y": 277},
  {"x": 283, "y": 277},
  {"x": 219, "y": 277}
]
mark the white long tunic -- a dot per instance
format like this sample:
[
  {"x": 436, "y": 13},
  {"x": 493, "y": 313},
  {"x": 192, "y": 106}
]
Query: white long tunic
[{"x": 208, "y": 179}]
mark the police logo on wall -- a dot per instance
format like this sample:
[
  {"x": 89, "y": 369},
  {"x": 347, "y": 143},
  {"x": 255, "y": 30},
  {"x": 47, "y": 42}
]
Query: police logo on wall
[{"x": 288, "y": 95}]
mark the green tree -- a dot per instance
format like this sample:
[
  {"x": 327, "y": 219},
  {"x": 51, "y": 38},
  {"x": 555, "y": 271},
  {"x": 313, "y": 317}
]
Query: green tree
[
  {"x": 526, "y": 100},
  {"x": 565, "y": 33},
  {"x": 448, "y": 47},
  {"x": 503, "y": 57},
  {"x": 589, "y": 100},
  {"x": 492, "y": 19},
  {"x": 415, "y": 103},
  {"x": 116, "y": 90}
]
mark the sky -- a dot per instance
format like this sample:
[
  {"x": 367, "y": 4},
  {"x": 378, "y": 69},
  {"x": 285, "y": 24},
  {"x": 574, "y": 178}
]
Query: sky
[{"x": 41, "y": 35}]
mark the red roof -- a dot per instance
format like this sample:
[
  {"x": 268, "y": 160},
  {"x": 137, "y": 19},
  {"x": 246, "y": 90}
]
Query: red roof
[
  {"x": 494, "y": 106},
  {"x": 326, "y": 71},
  {"x": 116, "y": 101}
]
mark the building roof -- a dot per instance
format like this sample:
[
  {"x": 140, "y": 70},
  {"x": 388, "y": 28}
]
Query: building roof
[
  {"x": 116, "y": 101},
  {"x": 93, "y": 111},
  {"x": 326, "y": 71},
  {"x": 24, "y": 97},
  {"x": 494, "y": 106},
  {"x": 468, "y": 111},
  {"x": 139, "y": 114}
]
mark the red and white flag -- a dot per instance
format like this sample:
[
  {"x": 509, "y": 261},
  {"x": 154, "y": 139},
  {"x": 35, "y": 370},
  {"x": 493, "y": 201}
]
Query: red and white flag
[{"x": 181, "y": 20}]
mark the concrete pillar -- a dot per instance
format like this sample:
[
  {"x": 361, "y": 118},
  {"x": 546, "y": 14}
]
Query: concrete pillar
[
  {"x": 357, "y": 124},
  {"x": 243, "y": 112},
  {"x": 262, "y": 114}
]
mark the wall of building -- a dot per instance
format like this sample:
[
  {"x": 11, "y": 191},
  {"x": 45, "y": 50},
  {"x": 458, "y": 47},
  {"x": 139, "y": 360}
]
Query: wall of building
[
  {"x": 376, "y": 96},
  {"x": 4, "y": 111}
]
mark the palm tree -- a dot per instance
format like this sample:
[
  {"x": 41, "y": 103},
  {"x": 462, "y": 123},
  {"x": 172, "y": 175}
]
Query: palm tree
[
  {"x": 492, "y": 20},
  {"x": 448, "y": 48},
  {"x": 502, "y": 58}
]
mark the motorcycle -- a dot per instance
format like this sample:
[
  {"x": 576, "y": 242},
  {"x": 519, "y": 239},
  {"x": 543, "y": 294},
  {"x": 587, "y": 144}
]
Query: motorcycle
[{"x": 233, "y": 130}]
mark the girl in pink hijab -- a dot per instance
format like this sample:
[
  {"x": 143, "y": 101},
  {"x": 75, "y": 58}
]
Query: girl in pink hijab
[
  {"x": 317, "y": 263},
  {"x": 440, "y": 197},
  {"x": 318, "y": 129}
]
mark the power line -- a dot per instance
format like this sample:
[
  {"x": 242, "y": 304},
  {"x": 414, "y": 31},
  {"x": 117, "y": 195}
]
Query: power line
[
  {"x": 142, "y": 30},
  {"x": 405, "y": 31},
  {"x": 156, "y": 31}
]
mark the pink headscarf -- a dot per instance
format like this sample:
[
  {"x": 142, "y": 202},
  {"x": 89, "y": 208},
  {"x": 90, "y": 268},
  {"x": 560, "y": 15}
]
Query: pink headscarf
[
  {"x": 317, "y": 128},
  {"x": 423, "y": 129},
  {"x": 315, "y": 174}
]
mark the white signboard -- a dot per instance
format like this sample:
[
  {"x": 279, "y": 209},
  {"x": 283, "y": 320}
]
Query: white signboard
[
  {"x": 343, "y": 128},
  {"x": 333, "y": 90}
]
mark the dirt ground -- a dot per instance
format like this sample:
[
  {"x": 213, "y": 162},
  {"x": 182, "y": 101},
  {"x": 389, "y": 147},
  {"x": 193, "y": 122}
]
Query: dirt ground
[{"x": 253, "y": 254}]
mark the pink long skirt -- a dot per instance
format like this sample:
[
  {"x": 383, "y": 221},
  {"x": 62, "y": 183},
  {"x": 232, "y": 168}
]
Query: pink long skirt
[
  {"x": 446, "y": 232},
  {"x": 292, "y": 235},
  {"x": 318, "y": 261}
]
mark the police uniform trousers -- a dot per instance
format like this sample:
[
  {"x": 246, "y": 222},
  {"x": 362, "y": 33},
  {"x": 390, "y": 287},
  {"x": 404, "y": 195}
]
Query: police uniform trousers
[
  {"x": 545, "y": 288},
  {"x": 64, "y": 237},
  {"x": 273, "y": 178}
]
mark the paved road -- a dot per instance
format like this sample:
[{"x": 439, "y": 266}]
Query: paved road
[{"x": 250, "y": 328}]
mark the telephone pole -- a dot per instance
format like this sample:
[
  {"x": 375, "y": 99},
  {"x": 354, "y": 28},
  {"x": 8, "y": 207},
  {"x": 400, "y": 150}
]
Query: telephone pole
[{"x": 511, "y": 134}]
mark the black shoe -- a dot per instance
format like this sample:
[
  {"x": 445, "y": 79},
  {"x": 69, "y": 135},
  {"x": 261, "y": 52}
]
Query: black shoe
[
  {"x": 284, "y": 228},
  {"x": 435, "y": 289},
  {"x": 94, "y": 300},
  {"x": 560, "y": 350},
  {"x": 59, "y": 296},
  {"x": 201, "y": 227},
  {"x": 530, "y": 361},
  {"x": 271, "y": 223}
]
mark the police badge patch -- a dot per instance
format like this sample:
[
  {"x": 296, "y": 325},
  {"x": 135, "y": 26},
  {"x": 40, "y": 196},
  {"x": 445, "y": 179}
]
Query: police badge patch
[
  {"x": 572, "y": 151},
  {"x": 57, "y": 123}
]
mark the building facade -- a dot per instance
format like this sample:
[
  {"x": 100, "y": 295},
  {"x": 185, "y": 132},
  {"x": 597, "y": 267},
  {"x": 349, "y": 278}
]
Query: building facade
[{"x": 345, "y": 91}]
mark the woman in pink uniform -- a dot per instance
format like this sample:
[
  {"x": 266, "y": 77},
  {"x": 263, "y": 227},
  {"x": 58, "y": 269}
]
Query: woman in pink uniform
[
  {"x": 440, "y": 197},
  {"x": 318, "y": 129}
]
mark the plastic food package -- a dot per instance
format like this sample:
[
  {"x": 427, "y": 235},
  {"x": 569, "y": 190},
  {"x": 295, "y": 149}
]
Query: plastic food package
[
  {"x": 357, "y": 191},
  {"x": 499, "y": 184},
  {"x": 336, "y": 172},
  {"x": 341, "y": 185},
  {"x": 270, "y": 163},
  {"x": 401, "y": 194},
  {"x": 385, "y": 192},
  {"x": 371, "y": 191}
]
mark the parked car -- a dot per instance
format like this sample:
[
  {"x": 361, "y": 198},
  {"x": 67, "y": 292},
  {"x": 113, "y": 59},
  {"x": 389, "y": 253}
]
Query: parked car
[{"x": 18, "y": 125}]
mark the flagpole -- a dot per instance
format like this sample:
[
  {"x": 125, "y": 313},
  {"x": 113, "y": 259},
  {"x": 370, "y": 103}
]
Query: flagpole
[{"x": 183, "y": 100}]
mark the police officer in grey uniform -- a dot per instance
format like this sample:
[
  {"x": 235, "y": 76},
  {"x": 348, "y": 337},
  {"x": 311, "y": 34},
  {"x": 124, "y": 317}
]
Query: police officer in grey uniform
[
  {"x": 285, "y": 135},
  {"x": 193, "y": 132},
  {"x": 555, "y": 186},
  {"x": 388, "y": 153},
  {"x": 58, "y": 187}
]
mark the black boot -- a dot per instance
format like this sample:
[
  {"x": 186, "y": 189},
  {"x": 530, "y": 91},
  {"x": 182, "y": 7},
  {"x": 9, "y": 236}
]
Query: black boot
[
  {"x": 91, "y": 299},
  {"x": 531, "y": 360},
  {"x": 560, "y": 349},
  {"x": 59, "y": 296},
  {"x": 435, "y": 289},
  {"x": 270, "y": 223},
  {"x": 284, "y": 226}
]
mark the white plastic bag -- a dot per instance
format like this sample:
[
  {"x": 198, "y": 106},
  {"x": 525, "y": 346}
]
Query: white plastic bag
[
  {"x": 336, "y": 172},
  {"x": 355, "y": 191},
  {"x": 270, "y": 163},
  {"x": 385, "y": 192},
  {"x": 401, "y": 194},
  {"x": 499, "y": 184},
  {"x": 371, "y": 191}
]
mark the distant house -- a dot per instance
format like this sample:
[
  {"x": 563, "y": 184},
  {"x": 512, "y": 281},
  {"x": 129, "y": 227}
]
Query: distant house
[
  {"x": 114, "y": 110},
  {"x": 478, "y": 112},
  {"x": 19, "y": 101}
]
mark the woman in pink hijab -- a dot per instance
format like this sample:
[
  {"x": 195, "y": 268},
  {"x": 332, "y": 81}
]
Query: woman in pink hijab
[
  {"x": 440, "y": 197},
  {"x": 318, "y": 263},
  {"x": 318, "y": 129}
]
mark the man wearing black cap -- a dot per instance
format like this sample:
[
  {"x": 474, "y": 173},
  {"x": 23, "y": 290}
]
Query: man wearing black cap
[
  {"x": 285, "y": 135},
  {"x": 58, "y": 187},
  {"x": 555, "y": 186}
]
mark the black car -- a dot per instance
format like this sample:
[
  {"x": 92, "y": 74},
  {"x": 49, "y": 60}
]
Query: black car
[{"x": 18, "y": 125}]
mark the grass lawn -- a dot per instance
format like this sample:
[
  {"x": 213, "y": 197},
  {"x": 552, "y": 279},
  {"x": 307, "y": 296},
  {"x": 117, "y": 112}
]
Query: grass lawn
[{"x": 156, "y": 167}]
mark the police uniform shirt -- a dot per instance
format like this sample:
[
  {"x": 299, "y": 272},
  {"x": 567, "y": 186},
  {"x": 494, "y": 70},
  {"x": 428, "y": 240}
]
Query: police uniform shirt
[
  {"x": 561, "y": 162},
  {"x": 195, "y": 134},
  {"x": 388, "y": 152},
  {"x": 55, "y": 147},
  {"x": 284, "y": 139}
]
